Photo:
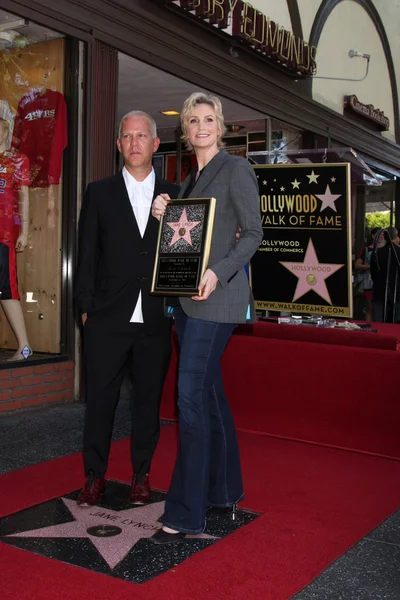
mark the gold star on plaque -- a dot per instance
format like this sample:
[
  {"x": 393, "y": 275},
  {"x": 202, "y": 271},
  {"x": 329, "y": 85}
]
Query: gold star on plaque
[
  {"x": 295, "y": 184},
  {"x": 313, "y": 177}
]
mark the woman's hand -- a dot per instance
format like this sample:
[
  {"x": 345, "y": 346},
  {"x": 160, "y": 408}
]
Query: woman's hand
[
  {"x": 207, "y": 285},
  {"x": 21, "y": 242},
  {"x": 159, "y": 205}
]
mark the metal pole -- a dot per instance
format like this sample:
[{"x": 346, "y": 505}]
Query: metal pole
[
  {"x": 385, "y": 305},
  {"x": 395, "y": 293},
  {"x": 268, "y": 134}
]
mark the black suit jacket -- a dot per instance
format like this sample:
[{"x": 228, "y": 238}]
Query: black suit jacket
[{"x": 114, "y": 261}]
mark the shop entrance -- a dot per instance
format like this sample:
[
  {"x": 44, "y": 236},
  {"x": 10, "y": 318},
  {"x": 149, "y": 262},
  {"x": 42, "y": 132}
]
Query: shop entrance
[{"x": 143, "y": 87}]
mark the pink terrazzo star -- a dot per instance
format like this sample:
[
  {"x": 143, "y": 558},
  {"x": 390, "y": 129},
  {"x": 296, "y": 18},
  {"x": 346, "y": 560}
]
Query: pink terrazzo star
[
  {"x": 311, "y": 274},
  {"x": 135, "y": 524},
  {"x": 182, "y": 229},
  {"x": 328, "y": 199}
]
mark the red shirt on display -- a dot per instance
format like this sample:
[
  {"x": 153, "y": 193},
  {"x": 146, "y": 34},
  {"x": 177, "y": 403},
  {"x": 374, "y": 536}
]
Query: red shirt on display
[
  {"x": 40, "y": 132},
  {"x": 14, "y": 173}
]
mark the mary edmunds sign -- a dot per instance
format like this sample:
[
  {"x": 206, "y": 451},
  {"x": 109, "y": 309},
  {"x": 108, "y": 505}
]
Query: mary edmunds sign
[{"x": 282, "y": 47}]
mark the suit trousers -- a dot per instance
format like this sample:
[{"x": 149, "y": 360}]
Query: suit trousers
[
  {"x": 108, "y": 350},
  {"x": 207, "y": 471}
]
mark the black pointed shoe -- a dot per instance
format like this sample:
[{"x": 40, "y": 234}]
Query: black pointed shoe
[{"x": 161, "y": 537}]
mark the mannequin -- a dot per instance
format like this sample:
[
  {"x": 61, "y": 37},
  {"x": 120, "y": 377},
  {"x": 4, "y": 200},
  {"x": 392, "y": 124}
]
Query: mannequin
[{"x": 14, "y": 199}]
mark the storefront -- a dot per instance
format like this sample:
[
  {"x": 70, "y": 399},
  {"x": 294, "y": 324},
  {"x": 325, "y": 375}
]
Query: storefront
[{"x": 252, "y": 55}]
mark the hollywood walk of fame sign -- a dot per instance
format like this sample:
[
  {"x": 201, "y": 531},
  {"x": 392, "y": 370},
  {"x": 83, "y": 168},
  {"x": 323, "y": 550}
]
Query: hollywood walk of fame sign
[
  {"x": 183, "y": 249},
  {"x": 303, "y": 264},
  {"x": 113, "y": 537}
]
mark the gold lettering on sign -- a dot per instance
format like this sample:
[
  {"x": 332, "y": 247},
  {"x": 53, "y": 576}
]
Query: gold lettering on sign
[
  {"x": 203, "y": 8},
  {"x": 313, "y": 58},
  {"x": 220, "y": 4},
  {"x": 297, "y": 51},
  {"x": 247, "y": 20},
  {"x": 273, "y": 39},
  {"x": 263, "y": 34},
  {"x": 286, "y": 44},
  {"x": 232, "y": 4},
  {"x": 259, "y": 28}
]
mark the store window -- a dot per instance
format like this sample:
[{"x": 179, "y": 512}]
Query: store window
[
  {"x": 33, "y": 137},
  {"x": 162, "y": 95}
]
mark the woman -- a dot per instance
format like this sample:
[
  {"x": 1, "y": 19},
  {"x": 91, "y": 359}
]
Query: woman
[
  {"x": 207, "y": 470},
  {"x": 363, "y": 264}
]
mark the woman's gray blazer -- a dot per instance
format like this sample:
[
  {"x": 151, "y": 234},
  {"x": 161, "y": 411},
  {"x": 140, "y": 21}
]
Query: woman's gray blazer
[{"x": 231, "y": 180}]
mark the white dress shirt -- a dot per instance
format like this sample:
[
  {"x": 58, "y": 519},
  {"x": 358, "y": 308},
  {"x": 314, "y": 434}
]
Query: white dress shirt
[{"x": 141, "y": 196}]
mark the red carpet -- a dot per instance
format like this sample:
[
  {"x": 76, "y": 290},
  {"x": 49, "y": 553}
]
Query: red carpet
[
  {"x": 339, "y": 396},
  {"x": 316, "y": 503}
]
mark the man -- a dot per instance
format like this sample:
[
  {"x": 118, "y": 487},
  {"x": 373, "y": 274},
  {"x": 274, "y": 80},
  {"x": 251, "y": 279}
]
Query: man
[
  {"x": 122, "y": 323},
  {"x": 385, "y": 273}
]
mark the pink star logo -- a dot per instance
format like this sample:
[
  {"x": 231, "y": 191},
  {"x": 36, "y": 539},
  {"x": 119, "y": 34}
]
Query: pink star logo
[
  {"x": 127, "y": 528},
  {"x": 311, "y": 274},
  {"x": 182, "y": 229},
  {"x": 328, "y": 199}
]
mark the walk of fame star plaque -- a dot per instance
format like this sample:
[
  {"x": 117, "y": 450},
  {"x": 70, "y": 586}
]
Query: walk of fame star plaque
[
  {"x": 111, "y": 538},
  {"x": 303, "y": 264},
  {"x": 184, "y": 241}
]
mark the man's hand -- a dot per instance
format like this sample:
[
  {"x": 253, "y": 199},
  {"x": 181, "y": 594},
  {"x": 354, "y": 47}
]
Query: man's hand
[
  {"x": 159, "y": 205},
  {"x": 207, "y": 285},
  {"x": 21, "y": 242},
  {"x": 84, "y": 318}
]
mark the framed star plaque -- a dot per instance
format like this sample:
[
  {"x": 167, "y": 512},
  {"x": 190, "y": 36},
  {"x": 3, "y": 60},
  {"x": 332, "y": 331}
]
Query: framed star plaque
[
  {"x": 183, "y": 247},
  {"x": 303, "y": 264}
]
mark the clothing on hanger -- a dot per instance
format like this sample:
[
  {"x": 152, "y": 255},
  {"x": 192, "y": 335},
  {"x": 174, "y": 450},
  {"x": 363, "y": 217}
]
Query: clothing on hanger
[{"x": 40, "y": 132}]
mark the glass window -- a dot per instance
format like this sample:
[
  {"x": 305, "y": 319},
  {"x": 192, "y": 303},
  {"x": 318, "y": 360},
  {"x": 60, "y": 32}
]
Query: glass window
[{"x": 33, "y": 136}]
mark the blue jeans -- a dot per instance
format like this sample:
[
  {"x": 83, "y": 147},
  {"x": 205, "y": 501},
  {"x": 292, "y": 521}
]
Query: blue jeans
[{"x": 207, "y": 471}]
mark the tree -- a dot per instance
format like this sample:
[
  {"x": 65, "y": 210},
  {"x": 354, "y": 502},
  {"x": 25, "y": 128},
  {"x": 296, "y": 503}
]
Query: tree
[{"x": 378, "y": 219}]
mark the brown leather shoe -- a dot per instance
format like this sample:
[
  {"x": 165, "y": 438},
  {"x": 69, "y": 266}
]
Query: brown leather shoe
[
  {"x": 140, "y": 491},
  {"x": 91, "y": 491}
]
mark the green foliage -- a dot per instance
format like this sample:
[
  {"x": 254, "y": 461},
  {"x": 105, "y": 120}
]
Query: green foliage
[{"x": 381, "y": 220}]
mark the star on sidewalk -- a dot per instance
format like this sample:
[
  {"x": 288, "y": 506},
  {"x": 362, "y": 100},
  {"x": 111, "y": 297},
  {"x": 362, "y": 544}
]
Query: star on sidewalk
[
  {"x": 182, "y": 229},
  {"x": 328, "y": 199},
  {"x": 313, "y": 177},
  {"x": 113, "y": 533},
  {"x": 311, "y": 274}
]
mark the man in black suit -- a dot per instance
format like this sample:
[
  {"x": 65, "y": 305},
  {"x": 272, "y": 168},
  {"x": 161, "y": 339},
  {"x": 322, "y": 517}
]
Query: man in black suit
[{"x": 122, "y": 323}]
